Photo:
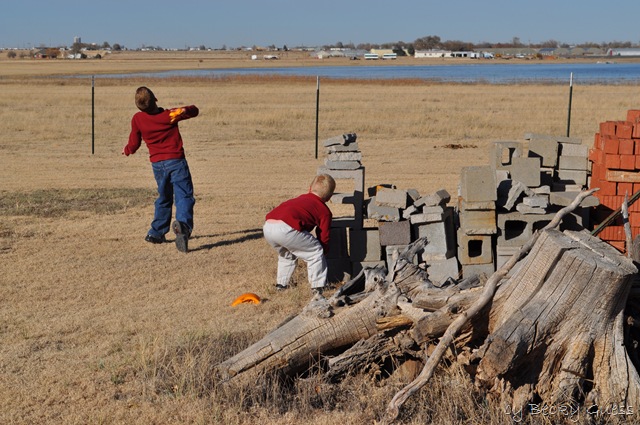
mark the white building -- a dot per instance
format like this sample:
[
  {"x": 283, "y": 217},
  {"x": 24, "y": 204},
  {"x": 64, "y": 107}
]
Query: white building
[{"x": 433, "y": 53}]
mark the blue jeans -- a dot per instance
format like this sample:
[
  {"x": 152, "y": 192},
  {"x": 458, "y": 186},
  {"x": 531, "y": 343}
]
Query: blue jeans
[{"x": 174, "y": 180}]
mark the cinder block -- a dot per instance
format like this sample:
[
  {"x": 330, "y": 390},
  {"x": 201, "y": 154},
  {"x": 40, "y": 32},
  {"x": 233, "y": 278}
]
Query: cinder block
[
  {"x": 474, "y": 249},
  {"x": 575, "y": 177},
  {"x": 395, "y": 233},
  {"x": 472, "y": 206},
  {"x": 380, "y": 213},
  {"x": 546, "y": 149},
  {"x": 440, "y": 197},
  {"x": 441, "y": 237},
  {"x": 574, "y": 162},
  {"x": 338, "y": 243},
  {"x": 428, "y": 215},
  {"x": 440, "y": 270},
  {"x": 502, "y": 154},
  {"x": 342, "y": 165},
  {"x": 344, "y": 156},
  {"x": 570, "y": 149},
  {"x": 537, "y": 201},
  {"x": 397, "y": 248},
  {"x": 478, "y": 184},
  {"x": 515, "y": 229},
  {"x": 526, "y": 170},
  {"x": 478, "y": 222},
  {"x": 364, "y": 245},
  {"x": 510, "y": 192},
  {"x": 394, "y": 198}
]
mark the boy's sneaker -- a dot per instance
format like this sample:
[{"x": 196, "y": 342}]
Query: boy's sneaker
[
  {"x": 281, "y": 288},
  {"x": 182, "y": 236},
  {"x": 154, "y": 239}
]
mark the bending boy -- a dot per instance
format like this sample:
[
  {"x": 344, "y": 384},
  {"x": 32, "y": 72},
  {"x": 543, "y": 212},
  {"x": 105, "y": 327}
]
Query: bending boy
[
  {"x": 158, "y": 128},
  {"x": 287, "y": 229}
]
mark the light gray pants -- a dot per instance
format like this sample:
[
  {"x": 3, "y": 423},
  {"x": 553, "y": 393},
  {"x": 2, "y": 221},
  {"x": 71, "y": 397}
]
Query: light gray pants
[{"x": 292, "y": 244}]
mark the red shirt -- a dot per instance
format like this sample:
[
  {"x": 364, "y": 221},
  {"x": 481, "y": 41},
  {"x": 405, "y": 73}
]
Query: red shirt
[
  {"x": 303, "y": 214},
  {"x": 160, "y": 132}
]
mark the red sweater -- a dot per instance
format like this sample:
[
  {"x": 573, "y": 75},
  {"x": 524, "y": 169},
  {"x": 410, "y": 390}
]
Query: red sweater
[
  {"x": 160, "y": 132},
  {"x": 303, "y": 214}
]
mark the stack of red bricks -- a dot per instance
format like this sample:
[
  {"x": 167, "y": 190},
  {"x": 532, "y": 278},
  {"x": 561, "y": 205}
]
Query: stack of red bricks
[{"x": 615, "y": 169}]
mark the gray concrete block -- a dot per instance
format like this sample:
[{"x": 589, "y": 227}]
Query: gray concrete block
[
  {"x": 440, "y": 197},
  {"x": 395, "y": 233},
  {"x": 545, "y": 148},
  {"x": 395, "y": 198},
  {"x": 344, "y": 156},
  {"x": 426, "y": 217},
  {"x": 411, "y": 209},
  {"x": 414, "y": 195},
  {"x": 566, "y": 162},
  {"x": 565, "y": 199},
  {"x": 473, "y": 206},
  {"x": 502, "y": 154},
  {"x": 537, "y": 201},
  {"x": 478, "y": 222},
  {"x": 440, "y": 270},
  {"x": 515, "y": 228},
  {"x": 526, "y": 209},
  {"x": 478, "y": 183},
  {"x": 364, "y": 245},
  {"x": 342, "y": 165},
  {"x": 381, "y": 213},
  {"x": 575, "y": 177},
  {"x": 389, "y": 251},
  {"x": 526, "y": 170},
  {"x": 570, "y": 149},
  {"x": 338, "y": 243},
  {"x": 351, "y": 147},
  {"x": 510, "y": 192},
  {"x": 474, "y": 249},
  {"x": 441, "y": 237}
]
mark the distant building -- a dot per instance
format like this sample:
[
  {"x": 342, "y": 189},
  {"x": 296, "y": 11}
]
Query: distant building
[
  {"x": 623, "y": 52},
  {"x": 432, "y": 53}
]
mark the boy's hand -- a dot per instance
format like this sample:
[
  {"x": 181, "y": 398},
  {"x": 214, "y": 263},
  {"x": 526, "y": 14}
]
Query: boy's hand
[{"x": 175, "y": 113}]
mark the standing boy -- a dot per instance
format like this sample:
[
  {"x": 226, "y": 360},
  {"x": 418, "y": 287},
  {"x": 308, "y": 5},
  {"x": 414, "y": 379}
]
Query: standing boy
[
  {"x": 287, "y": 229},
  {"x": 158, "y": 128}
]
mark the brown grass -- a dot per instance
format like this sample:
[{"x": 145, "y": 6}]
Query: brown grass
[{"x": 98, "y": 326}]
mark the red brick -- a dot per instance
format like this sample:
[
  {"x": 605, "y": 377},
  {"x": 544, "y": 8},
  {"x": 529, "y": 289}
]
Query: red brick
[
  {"x": 612, "y": 162},
  {"x": 624, "y": 188},
  {"x": 636, "y": 187},
  {"x": 610, "y": 144},
  {"x": 624, "y": 129},
  {"x": 636, "y": 131},
  {"x": 626, "y": 146},
  {"x": 637, "y": 162},
  {"x": 633, "y": 115},
  {"x": 596, "y": 156},
  {"x": 634, "y": 219},
  {"x": 606, "y": 189},
  {"x": 598, "y": 171},
  {"x": 598, "y": 142},
  {"x": 608, "y": 128},
  {"x": 627, "y": 162}
]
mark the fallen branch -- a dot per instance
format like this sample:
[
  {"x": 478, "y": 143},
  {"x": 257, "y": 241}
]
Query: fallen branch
[{"x": 452, "y": 331}]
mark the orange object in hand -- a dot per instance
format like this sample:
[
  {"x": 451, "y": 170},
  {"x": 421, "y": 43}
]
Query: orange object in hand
[{"x": 174, "y": 113}]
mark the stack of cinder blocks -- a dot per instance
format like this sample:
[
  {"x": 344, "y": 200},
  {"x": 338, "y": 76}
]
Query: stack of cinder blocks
[
  {"x": 501, "y": 205},
  {"x": 615, "y": 170},
  {"x": 343, "y": 161},
  {"x": 404, "y": 216}
]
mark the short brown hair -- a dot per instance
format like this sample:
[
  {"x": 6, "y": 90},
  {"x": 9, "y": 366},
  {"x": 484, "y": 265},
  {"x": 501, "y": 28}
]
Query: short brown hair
[
  {"x": 323, "y": 185},
  {"x": 145, "y": 99}
]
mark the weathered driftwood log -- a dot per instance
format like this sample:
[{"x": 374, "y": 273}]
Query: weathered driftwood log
[{"x": 556, "y": 327}]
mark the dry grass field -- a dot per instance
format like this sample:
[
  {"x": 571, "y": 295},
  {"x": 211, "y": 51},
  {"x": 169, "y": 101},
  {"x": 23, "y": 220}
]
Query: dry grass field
[{"x": 99, "y": 327}]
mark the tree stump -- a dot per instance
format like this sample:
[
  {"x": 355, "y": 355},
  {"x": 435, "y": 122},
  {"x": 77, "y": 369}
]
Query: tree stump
[{"x": 556, "y": 327}]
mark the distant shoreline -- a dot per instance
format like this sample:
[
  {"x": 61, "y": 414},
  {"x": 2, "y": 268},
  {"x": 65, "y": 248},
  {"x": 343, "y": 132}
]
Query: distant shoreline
[{"x": 156, "y": 61}]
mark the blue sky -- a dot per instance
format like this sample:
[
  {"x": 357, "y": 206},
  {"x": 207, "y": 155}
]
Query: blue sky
[{"x": 234, "y": 23}]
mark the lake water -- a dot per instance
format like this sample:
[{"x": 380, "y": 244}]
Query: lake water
[{"x": 498, "y": 73}]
